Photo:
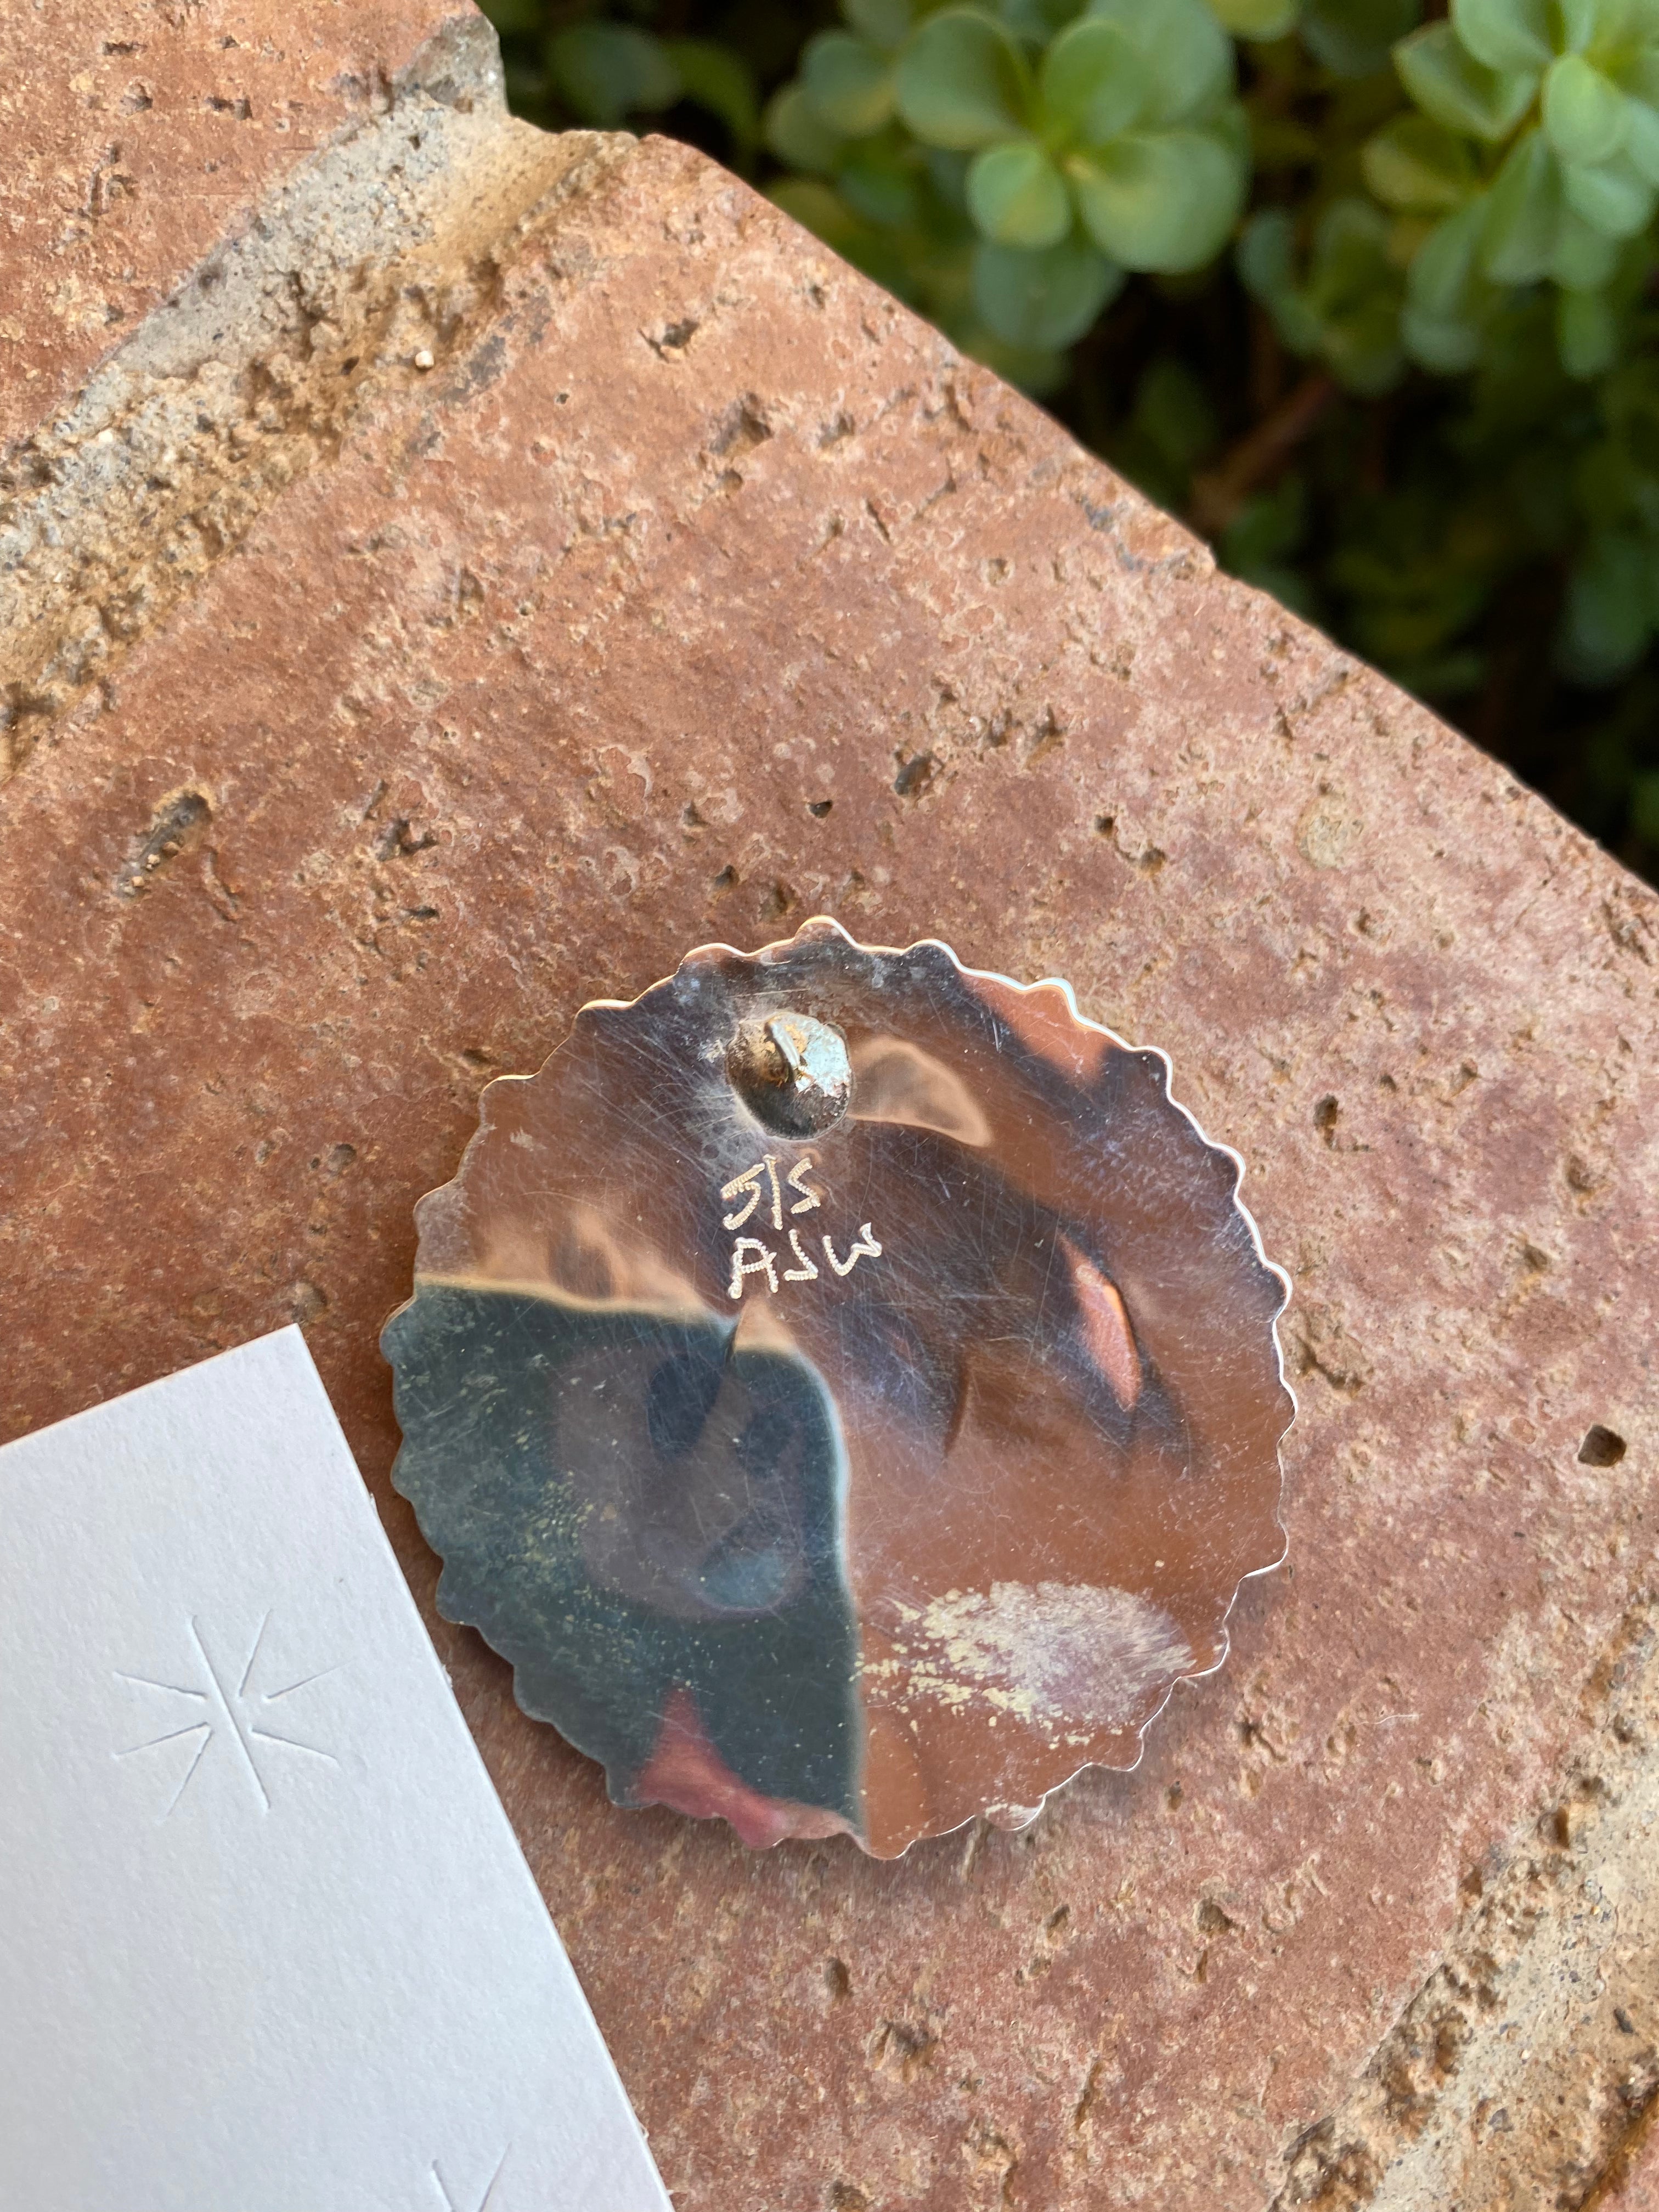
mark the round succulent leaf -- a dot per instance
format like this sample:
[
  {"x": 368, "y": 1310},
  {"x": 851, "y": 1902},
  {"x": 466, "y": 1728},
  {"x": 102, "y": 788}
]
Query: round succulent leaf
[
  {"x": 1585, "y": 259},
  {"x": 948, "y": 174},
  {"x": 1355, "y": 294},
  {"x": 1642, "y": 139},
  {"x": 1448, "y": 84},
  {"x": 1353, "y": 37},
  {"x": 1187, "y": 55},
  {"x": 962, "y": 83},
  {"x": 1266, "y": 254},
  {"x": 1586, "y": 333},
  {"x": 1523, "y": 213},
  {"x": 879, "y": 186},
  {"x": 1093, "y": 83},
  {"x": 1350, "y": 261},
  {"x": 1506, "y": 34},
  {"x": 1418, "y": 164},
  {"x": 1032, "y": 22},
  {"x": 1266, "y": 259},
  {"x": 1613, "y": 197},
  {"x": 886, "y": 23},
  {"x": 798, "y": 134},
  {"x": 848, "y": 82},
  {"x": 1230, "y": 123},
  {"x": 1017, "y": 196},
  {"x": 1440, "y": 282},
  {"x": 1637, "y": 72},
  {"x": 1231, "y": 127},
  {"x": 1258, "y": 19},
  {"x": 1448, "y": 344},
  {"x": 1582, "y": 21},
  {"x": 1585, "y": 114},
  {"x": 1046, "y": 300},
  {"x": 1161, "y": 200},
  {"x": 607, "y": 70}
]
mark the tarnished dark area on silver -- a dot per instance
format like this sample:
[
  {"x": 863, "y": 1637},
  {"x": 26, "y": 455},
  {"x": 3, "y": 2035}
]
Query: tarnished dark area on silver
[{"x": 845, "y": 1387}]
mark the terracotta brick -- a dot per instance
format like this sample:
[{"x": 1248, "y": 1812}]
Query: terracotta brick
[
  {"x": 372, "y": 257},
  {"x": 139, "y": 136},
  {"x": 544, "y": 671},
  {"x": 1637, "y": 2189}
]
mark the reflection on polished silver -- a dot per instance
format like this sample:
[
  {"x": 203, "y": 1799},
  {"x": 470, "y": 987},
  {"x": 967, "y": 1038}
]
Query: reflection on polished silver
[{"x": 845, "y": 1387}]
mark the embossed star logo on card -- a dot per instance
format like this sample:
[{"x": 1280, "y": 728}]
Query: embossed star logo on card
[
  {"x": 453, "y": 2203},
  {"x": 225, "y": 1707}
]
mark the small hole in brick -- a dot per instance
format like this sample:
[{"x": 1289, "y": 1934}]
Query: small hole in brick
[
  {"x": 1324, "y": 1118},
  {"x": 915, "y": 776},
  {"x": 817, "y": 808},
  {"x": 1601, "y": 1447},
  {"x": 179, "y": 825}
]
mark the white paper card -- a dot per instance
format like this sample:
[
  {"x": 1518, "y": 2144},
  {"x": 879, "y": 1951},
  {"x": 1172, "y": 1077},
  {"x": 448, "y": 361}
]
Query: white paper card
[{"x": 267, "y": 1941}]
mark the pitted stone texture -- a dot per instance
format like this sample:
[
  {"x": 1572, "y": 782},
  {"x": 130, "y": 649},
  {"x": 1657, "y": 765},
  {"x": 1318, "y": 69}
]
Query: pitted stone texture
[
  {"x": 1637, "y": 2190},
  {"x": 140, "y": 134},
  {"x": 549, "y": 674}
]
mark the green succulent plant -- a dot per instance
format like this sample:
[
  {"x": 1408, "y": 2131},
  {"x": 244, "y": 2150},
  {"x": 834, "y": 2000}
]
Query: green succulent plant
[
  {"x": 1345, "y": 304},
  {"x": 1079, "y": 146},
  {"x": 1536, "y": 144},
  {"x": 1449, "y": 224},
  {"x": 1530, "y": 156}
]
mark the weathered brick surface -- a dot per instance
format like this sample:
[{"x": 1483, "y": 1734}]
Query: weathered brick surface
[
  {"x": 1636, "y": 2188},
  {"x": 542, "y": 672},
  {"x": 140, "y": 134}
]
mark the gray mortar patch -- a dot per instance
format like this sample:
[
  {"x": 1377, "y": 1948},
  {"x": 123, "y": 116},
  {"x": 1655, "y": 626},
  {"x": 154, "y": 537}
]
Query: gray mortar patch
[
  {"x": 379, "y": 262},
  {"x": 1525, "y": 2071}
]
